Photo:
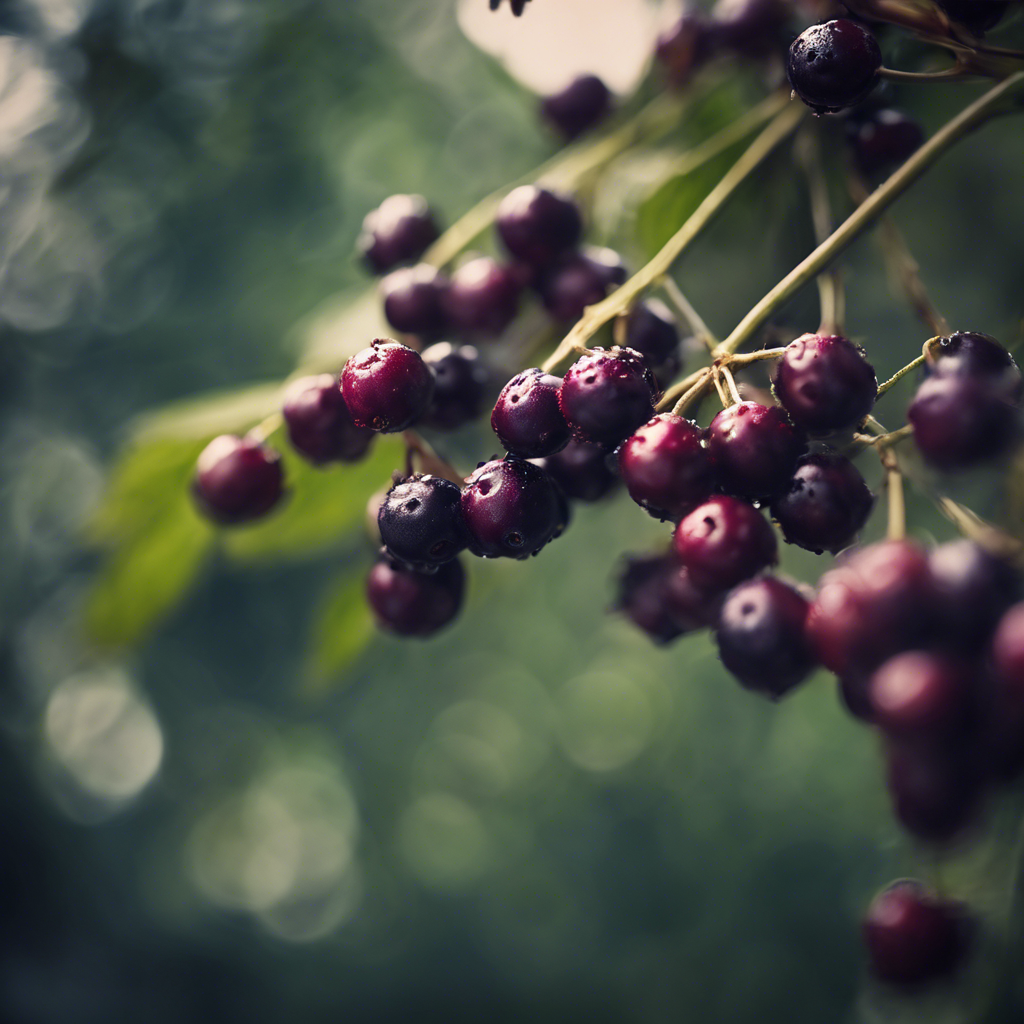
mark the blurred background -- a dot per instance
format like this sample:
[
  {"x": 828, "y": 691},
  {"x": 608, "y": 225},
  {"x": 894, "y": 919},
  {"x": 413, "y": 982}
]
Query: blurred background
[{"x": 223, "y": 795}]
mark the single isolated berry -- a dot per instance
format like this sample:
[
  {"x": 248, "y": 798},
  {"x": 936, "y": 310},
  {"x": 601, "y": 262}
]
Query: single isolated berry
[
  {"x": 833, "y": 65},
  {"x": 912, "y": 936},
  {"x": 582, "y": 104},
  {"x": 420, "y": 522},
  {"x": 460, "y": 385},
  {"x": 605, "y": 396},
  {"x": 977, "y": 15},
  {"x": 581, "y": 470},
  {"x": 883, "y": 139},
  {"x": 536, "y": 225},
  {"x": 921, "y": 695},
  {"x": 413, "y": 300},
  {"x": 318, "y": 421},
  {"x": 387, "y": 386},
  {"x": 511, "y": 508},
  {"x": 482, "y": 297},
  {"x": 578, "y": 280},
  {"x": 399, "y": 231},
  {"x": 652, "y": 331},
  {"x": 526, "y": 416},
  {"x": 412, "y": 603},
  {"x": 825, "y": 383},
  {"x": 237, "y": 479}
]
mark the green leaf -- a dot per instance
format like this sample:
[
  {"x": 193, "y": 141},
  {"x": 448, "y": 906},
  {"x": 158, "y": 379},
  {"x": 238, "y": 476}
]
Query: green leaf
[{"x": 340, "y": 632}]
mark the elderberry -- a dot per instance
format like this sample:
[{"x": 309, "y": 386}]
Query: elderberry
[
  {"x": 919, "y": 694},
  {"x": 412, "y": 603},
  {"x": 460, "y": 385},
  {"x": 237, "y": 479},
  {"x": 482, "y": 297},
  {"x": 526, "y": 416},
  {"x": 578, "y": 280},
  {"x": 577, "y": 108},
  {"x": 413, "y": 300},
  {"x": 420, "y": 522},
  {"x": 883, "y": 139},
  {"x": 651, "y": 330},
  {"x": 536, "y": 225},
  {"x": 398, "y": 231},
  {"x": 387, "y": 386},
  {"x": 642, "y": 596},
  {"x": 581, "y": 471},
  {"x": 319, "y": 424},
  {"x": 833, "y": 65}
]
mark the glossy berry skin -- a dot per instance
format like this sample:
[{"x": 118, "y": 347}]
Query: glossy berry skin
[
  {"x": 642, "y": 596},
  {"x": 824, "y": 505},
  {"x": 482, "y": 297},
  {"x": 833, "y": 65},
  {"x": 666, "y": 467},
  {"x": 581, "y": 471},
  {"x": 652, "y": 331},
  {"x": 605, "y": 396},
  {"x": 970, "y": 354},
  {"x": 460, "y": 385},
  {"x": 237, "y": 479},
  {"x": 824, "y": 382},
  {"x": 318, "y": 421},
  {"x": 398, "y": 231},
  {"x": 420, "y": 522},
  {"x": 511, "y": 508},
  {"x": 413, "y": 300},
  {"x": 761, "y": 636},
  {"x": 920, "y": 695},
  {"x": 884, "y": 139},
  {"x": 526, "y": 416},
  {"x": 536, "y": 225},
  {"x": 977, "y": 15},
  {"x": 912, "y": 936},
  {"x": 723, "y": 542},
  {"x": 387, "y": 386},
  {"x": 582, "y": 104},
  {"x": 579, "y": 280},
  {"x": 754, "y": 448},
  {"x": 412, "y": 603}
]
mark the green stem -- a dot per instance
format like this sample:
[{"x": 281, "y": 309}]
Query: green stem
[{"x": 900, "y": 374}]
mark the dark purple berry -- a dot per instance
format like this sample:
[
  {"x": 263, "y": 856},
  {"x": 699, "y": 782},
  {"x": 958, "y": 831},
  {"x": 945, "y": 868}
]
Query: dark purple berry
[
  {"x": 237, "y": 479},
  {"x": 579, "y": 280},
  {"x": 666, "y": 467},
  {"x": 413, "y": 299},
  {"x": 977, "y": 15},
  {"x": 825, "y": 505},
  {"x": 691, "y": 605},
  {"x": 724, "y": 541},
  {"x": 761, "y": 636},
  {"x": 526, "y": 416},
  {"x": 536, "y": 225},
  {"x": 1005, "y": 725},
  {"x": 460, "y": 385},
  {"x": 319, "y": 424},
  {"x": 969, "y": 354},
  {"x": 581, "y": 471},
  {"x": 685, "y": 45},
  {"x": 651, "y": 330},
  {"x": 582, "y": 104},
  {"x": 398, "y": 231},
  {"x": 912, "y": 936},
  {"x": 643, "y": 596},
  {"x": 386, "y": 387},
  {"x": 412, "y": 603},
  {"x": 511, "y": 508},
  {"x": 420, "y": 522},
  {"x": 918, "y": 694},
  {"x": 754, "y": 448},
  {"x": 884, "y": 139},
  {"x": 825, "y": 383},
  {"x": 604, "y": 398},
  {"x": 482, "y": 297},
  {"x": 833, "y": 65}
]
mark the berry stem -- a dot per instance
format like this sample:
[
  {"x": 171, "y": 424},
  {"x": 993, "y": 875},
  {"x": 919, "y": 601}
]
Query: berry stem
[
  {"x": 429, "y": 460},
  {"x": 730, "y": 382},
  {"x": 953, "y": 74},
  {"x": 743, "y": 358},
  {"x": 897, "y": 529},
  {"x": 692, "y": 394},
  {"x": 270, "y": 425},
  {"x": 972, "y": 117},
  {"x": 693, "y": 319},
  {"x": 723, "y": 395},
  {"x": 972, "y": 526},
  {"x": 900, "y": 374}
]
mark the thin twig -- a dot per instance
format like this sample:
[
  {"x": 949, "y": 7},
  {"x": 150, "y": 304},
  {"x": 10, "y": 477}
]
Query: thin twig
[
  {"x": 270, "y": 425},
  {"x": 693, "y": 319},
  {"x": 730, "y": 382},
  {"x": 691, "y": 395}
]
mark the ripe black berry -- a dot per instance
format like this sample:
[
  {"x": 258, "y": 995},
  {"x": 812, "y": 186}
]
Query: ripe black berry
[
  {"x": 833, "y": 65},
  {"x": 977, "y": 15},
  {"x": 413, "y": 299},
  {"x": 398, "y": 231},
  {"x": 237, "y": 479},
  {"x": 511, "y": 508},
  {"x": 460, "y": 385},
  {"x": 605, "y": 396},
  {"x": 825, "y": 383},
  {"x": 482, "y": 297},
  {"x": 913, "y": 936},
  {"x": 643, "y": 596},
  {"x": 651, "y": 330},
  {"x": 761, "y": 636},
  {"x": 969, "y": 354},
  {"x": 581, "y": 471},
  {"x": 665, "y": 466},
  {"x": 918, "y": 694},
  {"x": 825, "y": 504},
  {"x": 724, "y": 541},
  {"x": 883, "y": 139},
  {"x": 387, "y": 386},
  {"x": 412, "y": 603},
  {"x": 754, "y": 448},
  {"x": 536, "y": 225},
  {"x": 578, "y": 280},
  {"x": 420, "y": 522},
  {"x": 581, "y": 105},
  {"x": 526, "y": 416},
  {"x": 319, "y": 424}
]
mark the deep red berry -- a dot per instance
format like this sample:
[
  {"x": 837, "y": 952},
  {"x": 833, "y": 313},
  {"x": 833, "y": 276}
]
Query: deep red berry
[
  {"x": 969, "y": 354},
  {"x": 761, "y": 636},
  {"x": 913, "y": 936},
  {"x": 825, "y": 383},
  {"x": 977, "y": 15},
  {"x": 387, "y": 386},
  {"x": 1005, "y": 719},
  {"x": 578, "y": 280},
  {"x": 833, "y": 65},
  {"x": 581, "y": 471},
  {"x": 511, "y": 508},
  {"x": 420, "y": 522},
  {"x": 319, "y": 424},
  {"x": 825, "y": 503},
  {"x": 643, "y": 596},
  {"x": 536, "y": 225},
  {"x": 754, "y": 448},
  {"x": 724, "y": 541},
  {"x": 918, "y": 694},
  {"x": 691, "y": 605},
  {"x": 398, "y": 231},
  {"x": 582, "y": 104},
  {"x": 412, "y": 603},
  {"x": 666, "y": 467},
  {"x": 237, "y": 479},
  {"x": 526, "y": 416},
  {"x": 413, "y": 300},
  {"x": 651, "y": 330},
  {"x": 685, "y": 45},
  {"x": 460, "y": 385},
  {"x": 883, "y": 139},
  {"x": 605, "y": 398},
  {"x": 482, "y": 297}
]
